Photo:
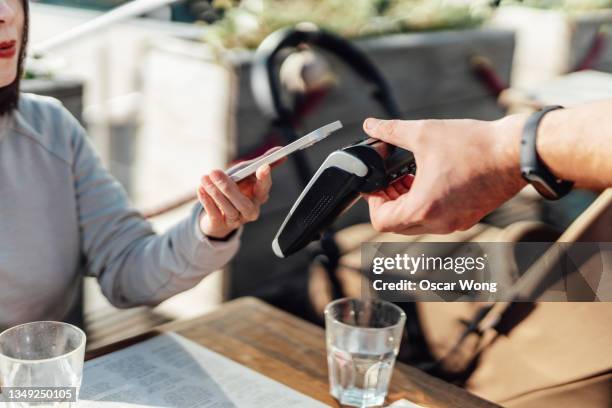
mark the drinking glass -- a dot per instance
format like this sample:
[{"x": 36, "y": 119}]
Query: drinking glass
[
  {"x": 41, "y": 361},
  {"x": 363, "y": 339}
]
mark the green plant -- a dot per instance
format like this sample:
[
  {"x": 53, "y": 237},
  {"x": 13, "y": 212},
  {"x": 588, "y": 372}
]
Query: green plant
[
  {"x": 436, "y": 14},
  {"x": 247, "y": 22},
  {"x": 567, "y": 5}
]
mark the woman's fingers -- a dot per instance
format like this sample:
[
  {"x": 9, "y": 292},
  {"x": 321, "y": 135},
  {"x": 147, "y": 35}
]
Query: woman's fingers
[
  {"x": 261, "y": 190},
  {"x": 213, "y": 212},
  {"x": 236, "y": 203},
  {"x": 238, "y": 165},
  {"x": 279, "y": 162},
  {"x": 247, "y": 209},
  {"x": 232, "y": 215}
]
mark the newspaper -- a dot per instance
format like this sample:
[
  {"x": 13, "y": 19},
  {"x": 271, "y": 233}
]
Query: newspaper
[{"x": 172, "y": 371}]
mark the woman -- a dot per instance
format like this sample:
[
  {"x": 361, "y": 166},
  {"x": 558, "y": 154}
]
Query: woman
[{"x": 61, "y": 213}]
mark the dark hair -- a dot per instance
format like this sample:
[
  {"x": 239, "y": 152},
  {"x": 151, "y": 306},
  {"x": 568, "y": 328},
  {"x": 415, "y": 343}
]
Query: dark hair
[{"x": 9, "y": 95}]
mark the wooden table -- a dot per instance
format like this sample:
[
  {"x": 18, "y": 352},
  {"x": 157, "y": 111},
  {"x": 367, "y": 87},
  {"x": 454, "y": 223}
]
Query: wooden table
[{"x": 292, "y": 351}]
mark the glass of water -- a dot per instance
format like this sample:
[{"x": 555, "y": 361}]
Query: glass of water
[
  {"x": 363, "y": 339},
  {"x": 41, "y": 364}
]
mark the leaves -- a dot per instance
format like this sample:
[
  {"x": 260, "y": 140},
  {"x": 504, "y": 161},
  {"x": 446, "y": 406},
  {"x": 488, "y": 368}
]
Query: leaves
[
  {"x": 250, "y": 21},
  {"x": 566, "y": 5}
]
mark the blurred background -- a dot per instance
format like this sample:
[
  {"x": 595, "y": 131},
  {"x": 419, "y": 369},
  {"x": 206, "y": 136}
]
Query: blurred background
[{"x": 167, "y": 96}]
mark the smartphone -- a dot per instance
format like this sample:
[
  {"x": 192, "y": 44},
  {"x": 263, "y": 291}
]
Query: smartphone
[{"x": 243, "y": 170}]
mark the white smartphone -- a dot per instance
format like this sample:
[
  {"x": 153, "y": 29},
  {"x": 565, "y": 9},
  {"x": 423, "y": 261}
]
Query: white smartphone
[{"x": 243, "y": 170}]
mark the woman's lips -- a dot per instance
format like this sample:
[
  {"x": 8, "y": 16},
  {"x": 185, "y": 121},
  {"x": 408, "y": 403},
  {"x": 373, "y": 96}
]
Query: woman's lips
[{"x": 8, "y": 49}]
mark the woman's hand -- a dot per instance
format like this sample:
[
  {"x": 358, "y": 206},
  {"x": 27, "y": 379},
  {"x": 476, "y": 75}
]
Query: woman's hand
[
  {"x": 465, "y": 169},
  {"x": 228, "y": 205}
]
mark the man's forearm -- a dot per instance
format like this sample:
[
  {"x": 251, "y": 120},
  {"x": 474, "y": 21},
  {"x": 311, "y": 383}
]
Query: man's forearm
[{"x": 576, "y": 144}]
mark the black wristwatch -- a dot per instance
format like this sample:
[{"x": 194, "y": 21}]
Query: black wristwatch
[{"x": 532, "y": 168}]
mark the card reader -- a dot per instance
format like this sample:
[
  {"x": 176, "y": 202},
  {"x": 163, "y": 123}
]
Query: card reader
[{"x": 364, "y": 167}]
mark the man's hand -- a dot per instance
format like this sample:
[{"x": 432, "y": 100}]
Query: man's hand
[{"x": 465, "y": 169}]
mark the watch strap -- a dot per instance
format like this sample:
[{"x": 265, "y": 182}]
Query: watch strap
[{"x": 533, "y": 168}]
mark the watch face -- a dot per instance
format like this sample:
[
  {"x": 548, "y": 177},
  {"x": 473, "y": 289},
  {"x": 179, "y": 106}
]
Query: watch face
[
  {"x": 542, "y": 187},
  {"x": 545, "y": 191}
]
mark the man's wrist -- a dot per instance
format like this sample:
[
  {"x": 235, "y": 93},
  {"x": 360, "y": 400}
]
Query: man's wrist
[
  {"x": 549, "y": 140},
  {"x": 507, "y": 134}
]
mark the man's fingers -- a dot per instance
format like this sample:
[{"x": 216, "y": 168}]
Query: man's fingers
[
  {"x": 261, "y": 190},
  {"x": 232, "y": 215},
  {"x": 230, "y": 189},
  {"x": 407, "y": 181},
  {"x": 394, "y": 215},
  {"x": 415, "y": 229},
  {"x": 400, "y": 187},
  {"x": 385, "y": 217},
  {"x": 392, "y": 192},
  {"x": 382, "y": 215},
  {"x": 395, "y": 132},
  {"x": 376, "y": 199},
  {"x": 397, "y": 189}
]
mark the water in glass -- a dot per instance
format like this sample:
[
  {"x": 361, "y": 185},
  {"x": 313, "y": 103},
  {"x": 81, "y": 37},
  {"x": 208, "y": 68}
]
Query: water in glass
[{"x": 363, "y": 340}]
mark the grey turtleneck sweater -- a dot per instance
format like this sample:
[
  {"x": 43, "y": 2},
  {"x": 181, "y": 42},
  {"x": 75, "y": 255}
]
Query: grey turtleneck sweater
[{"x": 62, "y": 216}]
